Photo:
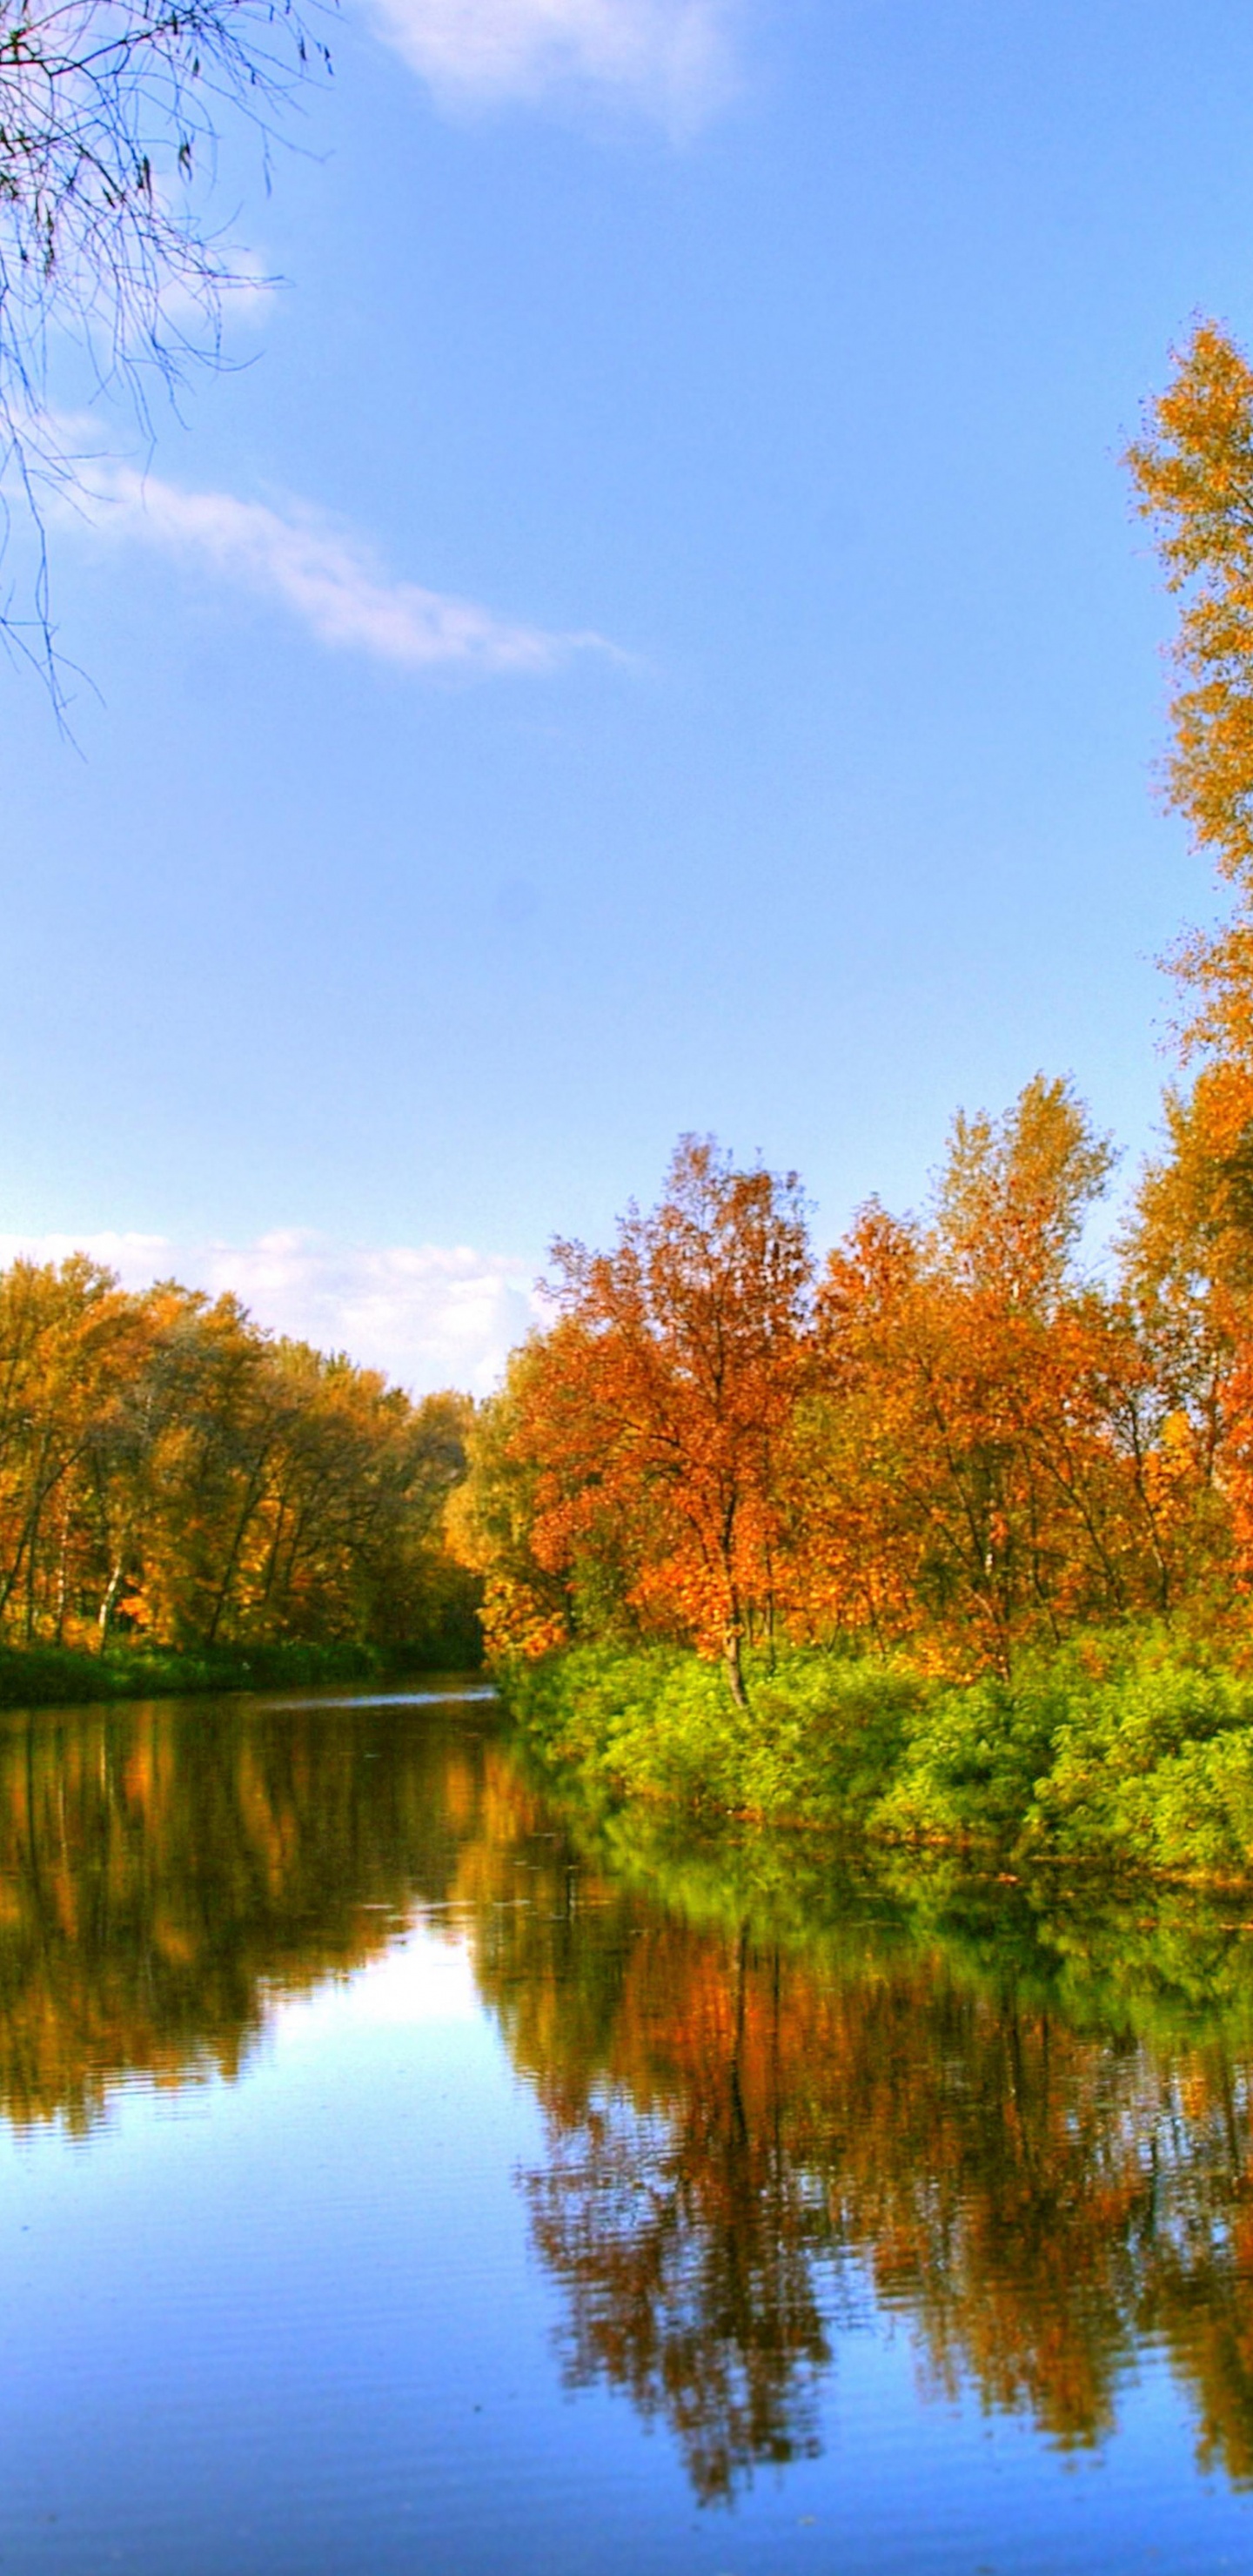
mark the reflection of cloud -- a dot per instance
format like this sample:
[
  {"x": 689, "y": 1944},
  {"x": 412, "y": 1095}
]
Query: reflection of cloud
[
  {"x": 430, "y": 1315},
  {"x": 422, "y": 1977},
  {"x": 670, "y": 58},
  {"x": 326, "y": 575}
]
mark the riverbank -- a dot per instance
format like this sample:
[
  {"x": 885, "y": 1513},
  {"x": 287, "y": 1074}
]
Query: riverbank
[
  {"x": 52, "y": 1676},
  {"x": 1130, "y": 1748}
]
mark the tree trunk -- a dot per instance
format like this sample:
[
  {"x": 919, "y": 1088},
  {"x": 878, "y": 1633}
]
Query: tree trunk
[
  {"x": 104, "y": 1615},
  {"x": 732, "y": 1665}
]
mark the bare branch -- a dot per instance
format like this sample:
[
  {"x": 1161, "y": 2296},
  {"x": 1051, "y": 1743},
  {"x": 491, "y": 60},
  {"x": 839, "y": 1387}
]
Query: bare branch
[{"x": 110, "y": 118}]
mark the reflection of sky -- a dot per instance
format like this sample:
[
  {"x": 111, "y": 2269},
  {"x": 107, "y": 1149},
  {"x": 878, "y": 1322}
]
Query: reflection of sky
[
  {"x": 421, "y": 1978},
  {"x": 294, "y": 2325}
]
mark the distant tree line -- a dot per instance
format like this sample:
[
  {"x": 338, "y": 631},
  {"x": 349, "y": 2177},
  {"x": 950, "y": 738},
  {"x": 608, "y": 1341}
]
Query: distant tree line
[{"x": 171, "y": 1474}]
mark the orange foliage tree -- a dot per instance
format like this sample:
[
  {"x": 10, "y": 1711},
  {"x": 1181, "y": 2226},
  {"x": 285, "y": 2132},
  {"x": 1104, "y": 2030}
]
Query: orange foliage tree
[
  {"x": 957, "y": 1442},
  {"x": 1190, "y": 1254},
  {"x": 974, "y": 1465},
  {"x": 651, "y": 1425},
  {"x": 166, "y": 1468}
]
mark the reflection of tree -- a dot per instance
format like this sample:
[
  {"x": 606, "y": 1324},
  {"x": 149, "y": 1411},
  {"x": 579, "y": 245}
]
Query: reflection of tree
[
  {"x": 985, "y": 2166},
  {"x": 1031, "y": 2137},
  {"x": 736, "y": 2132},
  {"x": 686, "y": 2245},
  {"x": 164, "y": 1872}
]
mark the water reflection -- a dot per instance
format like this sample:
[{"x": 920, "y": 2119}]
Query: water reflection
[
  {"x": 684, "y": 2228},
  {"x": 166, "y": 1871},
  {"x": 897, "y": 2109},
  {"x": 781, "y": 2097}
]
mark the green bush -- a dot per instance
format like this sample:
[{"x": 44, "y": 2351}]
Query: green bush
[
  {"x": 1129, "y": 1750},
  {"x": 52, "y": 1676},
  {"x": 819, "y": 1739},
  {"x": 1152, "y": 1761},
  {"x": 970, "y": 1763}
]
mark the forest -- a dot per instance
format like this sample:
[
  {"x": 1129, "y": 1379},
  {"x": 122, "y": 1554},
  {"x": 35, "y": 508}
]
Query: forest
[
  {"x": 920, "y": 1503},
  {"x": 183, "y": 1496}
]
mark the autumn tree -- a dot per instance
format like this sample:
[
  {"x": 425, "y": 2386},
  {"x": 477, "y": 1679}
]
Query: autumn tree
[
  {"x": 169, "y": 1470},
  {"x": 70, "y": 1343},
  {"x": 529, "y": 1605},
  {"x": 1190, "y": 1251},
  {"x": 652, "y": 1426},
  {"x": 1192, "y": 471},
  {"x": 962, "y": 1443},
  {"x": 970, "y": 1461},
  {"x": 292, "y": 1495}
]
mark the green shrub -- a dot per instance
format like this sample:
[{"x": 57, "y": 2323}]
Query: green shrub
[
  {"x": 970, "y": 1763},
  {"x": 1129, "y": 1750},
  {"x": 818, "y": 1741},
  {"x": 52, "y": 1676}
]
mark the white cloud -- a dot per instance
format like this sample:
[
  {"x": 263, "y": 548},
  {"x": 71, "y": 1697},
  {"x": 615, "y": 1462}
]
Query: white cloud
[
  {"x": 673, "y": 59},
  {"x": 326, "y": 575},
  {"x": 431, "y": 1315},
  {"x": 245, "y": 292}
]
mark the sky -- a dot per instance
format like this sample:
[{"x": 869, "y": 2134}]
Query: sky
[{"x": 645, "y": 634}]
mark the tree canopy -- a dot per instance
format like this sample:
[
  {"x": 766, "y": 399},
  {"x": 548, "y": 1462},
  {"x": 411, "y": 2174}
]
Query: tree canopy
[{"x": 170, "y": 1472}]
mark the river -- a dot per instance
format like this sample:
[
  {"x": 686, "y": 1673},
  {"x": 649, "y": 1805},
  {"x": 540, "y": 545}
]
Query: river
[{"x": 401, "y": 2171}]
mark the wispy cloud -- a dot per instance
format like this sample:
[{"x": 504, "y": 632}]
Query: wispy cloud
[
  {"x": 672, "y": 59},
  {"x": 327, "y": 576},
  {"x": 430, "y": 1315},
  {"x": 245, "y": 292}
]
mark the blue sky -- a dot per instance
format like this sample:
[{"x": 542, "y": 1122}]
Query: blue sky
[{"x": 649, "y": 635}]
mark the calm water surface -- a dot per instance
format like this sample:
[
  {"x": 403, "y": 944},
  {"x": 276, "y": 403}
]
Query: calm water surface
[{"x": 396, "y": 2174}]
